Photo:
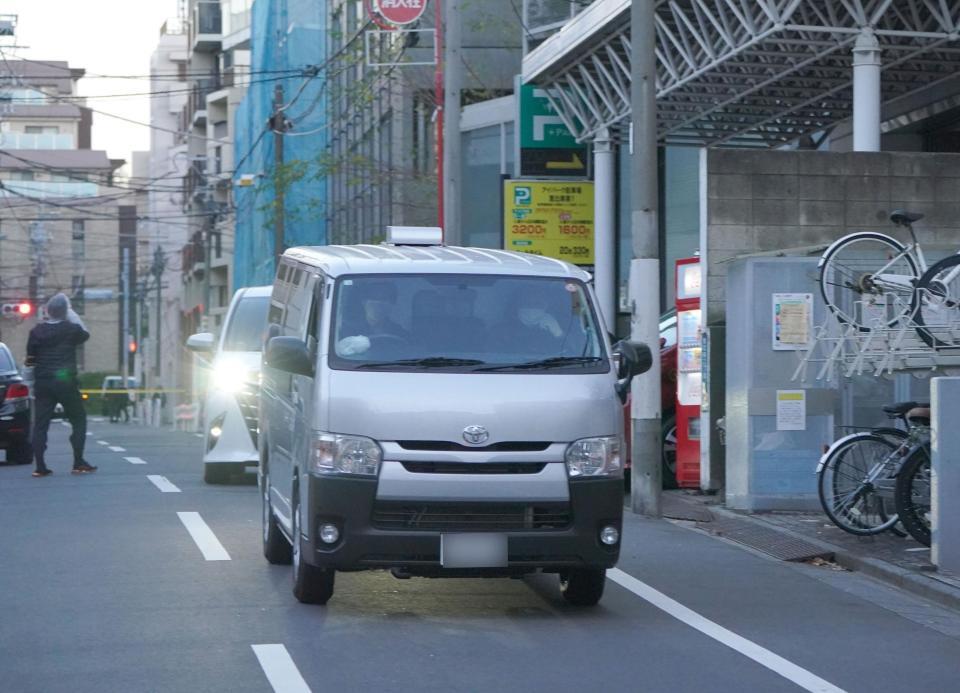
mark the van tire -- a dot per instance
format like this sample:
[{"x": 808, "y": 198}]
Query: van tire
[
  {"x": 311, "y": 585},
  {"x": 276, "y": 549},
  {"x": 583, "y": 586},
  {"x": 217, "y": 473}
]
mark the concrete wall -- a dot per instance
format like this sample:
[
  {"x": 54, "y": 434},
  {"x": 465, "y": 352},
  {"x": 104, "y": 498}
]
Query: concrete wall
[{"x": 762, "y": 201}]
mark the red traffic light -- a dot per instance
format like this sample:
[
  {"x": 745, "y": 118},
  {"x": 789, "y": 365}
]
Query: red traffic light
[
  {"x": 132, "y": 347},
  {"x": 24, "y": 308}
]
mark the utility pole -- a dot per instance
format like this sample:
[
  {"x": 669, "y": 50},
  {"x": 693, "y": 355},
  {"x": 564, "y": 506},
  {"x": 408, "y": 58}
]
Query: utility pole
[
  {"x": 138, "y": 333},
  {"x": 159, "y": 264},
  {"x": 125, "y": 279},
  {"x": 278, "y": 125},
  {"x": 646, "y": 481},
  {"x": 452, "y": 86}
]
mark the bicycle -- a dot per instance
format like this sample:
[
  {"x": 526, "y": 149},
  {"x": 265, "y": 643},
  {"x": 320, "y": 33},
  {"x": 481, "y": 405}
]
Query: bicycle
[
  {"x": 888, "y": 292},
  {"x": 857, "y": 475},
  {"x": 912, "y": 494}
]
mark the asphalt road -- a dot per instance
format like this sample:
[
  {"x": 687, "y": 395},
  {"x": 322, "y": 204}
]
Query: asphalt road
[{"x": 104, "y": 588}]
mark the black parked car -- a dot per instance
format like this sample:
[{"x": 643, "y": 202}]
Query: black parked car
[{"x": 15, "y": 406}]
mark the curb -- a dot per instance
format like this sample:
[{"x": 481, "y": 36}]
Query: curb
[{"x": 908, "y": 580}]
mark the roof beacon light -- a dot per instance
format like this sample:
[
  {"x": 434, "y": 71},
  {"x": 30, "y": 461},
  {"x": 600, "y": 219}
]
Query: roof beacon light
[{"x": 414, "y": 235}]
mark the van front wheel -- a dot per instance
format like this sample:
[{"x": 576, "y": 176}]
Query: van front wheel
[
  {"x": 311, "y": 585},
  {"x": 583, "y": 586}
]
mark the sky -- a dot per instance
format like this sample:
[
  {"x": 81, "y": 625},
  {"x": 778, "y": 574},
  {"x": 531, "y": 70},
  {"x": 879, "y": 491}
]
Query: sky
[{"x": 105, "y": 37}]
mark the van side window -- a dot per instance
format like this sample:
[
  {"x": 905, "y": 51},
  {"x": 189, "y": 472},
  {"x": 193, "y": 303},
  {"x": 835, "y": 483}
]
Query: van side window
[
  {"x": 297, "y": 314},
  {"x": 278, "y": 299},
  {"x": 316, "y": 313}
]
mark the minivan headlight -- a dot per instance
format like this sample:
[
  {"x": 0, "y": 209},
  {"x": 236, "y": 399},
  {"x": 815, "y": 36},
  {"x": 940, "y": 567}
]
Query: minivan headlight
[
  {"x": 331, "y": 453},
  {"x": 594, "y": 457}
]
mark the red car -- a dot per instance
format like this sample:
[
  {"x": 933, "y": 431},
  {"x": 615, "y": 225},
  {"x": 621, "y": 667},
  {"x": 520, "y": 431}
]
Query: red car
[{"x": 668, "y": 396}]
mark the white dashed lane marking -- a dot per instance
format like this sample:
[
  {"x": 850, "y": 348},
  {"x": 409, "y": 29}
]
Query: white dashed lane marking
[
  {"x": 102, "y": 442},
  {"x": 203, "y": 537},
  {"x": 760, "y": 655},
  {"x": 117, "y": 448},
  {"x": 162, "y": 483},
  {"x": 281, "y": 672},
  {"x": 135, "y": 460}
]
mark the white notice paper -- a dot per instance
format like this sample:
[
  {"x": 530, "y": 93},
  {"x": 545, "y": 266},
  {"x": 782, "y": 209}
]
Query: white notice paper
[{"x": 791, "y": 410}]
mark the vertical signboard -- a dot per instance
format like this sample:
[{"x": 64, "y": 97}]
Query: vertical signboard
[
  {"x": 550, "y": 218},
  {"x": 546, "y": 146}
]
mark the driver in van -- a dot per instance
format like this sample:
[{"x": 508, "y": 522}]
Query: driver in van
[{"x": 371, "y": 305}]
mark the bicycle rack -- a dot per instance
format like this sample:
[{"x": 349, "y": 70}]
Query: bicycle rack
[{"x": 883, "y": 347}]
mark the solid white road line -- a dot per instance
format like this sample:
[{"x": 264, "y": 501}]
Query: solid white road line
[
  {"x": 747, "y": 648},
  {"x": 161, "y": 483},
  {"x": 281, "y": 672},
  {"x": 102, "y": 442},
  {"x": 203, "y": 536},
  {"x": 135, "y": 460}
]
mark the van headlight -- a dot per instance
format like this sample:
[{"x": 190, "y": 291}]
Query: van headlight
[
  {"x": 594, "y": 457},
  {"x": 331, "y": 453}
]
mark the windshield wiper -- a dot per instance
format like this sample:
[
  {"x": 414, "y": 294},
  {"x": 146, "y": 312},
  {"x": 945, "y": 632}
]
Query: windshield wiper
[
  {"x": 428, "y": 362},
  {"x": 552, "y": 362}
]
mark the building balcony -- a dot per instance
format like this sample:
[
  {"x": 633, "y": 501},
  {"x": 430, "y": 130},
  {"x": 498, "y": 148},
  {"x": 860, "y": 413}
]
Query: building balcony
[
  {"x": 206, "y": 27},
  {"x": 29, "y": 140},
  {"x": 45, "y": 189}
]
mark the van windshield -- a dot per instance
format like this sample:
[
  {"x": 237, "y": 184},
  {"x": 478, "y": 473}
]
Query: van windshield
[
  {"x": 248, "y": 325},
  {"x": 461, "y": 322}
]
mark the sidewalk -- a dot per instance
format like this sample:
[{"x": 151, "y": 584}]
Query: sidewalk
[{"x": 799, "y": 536}]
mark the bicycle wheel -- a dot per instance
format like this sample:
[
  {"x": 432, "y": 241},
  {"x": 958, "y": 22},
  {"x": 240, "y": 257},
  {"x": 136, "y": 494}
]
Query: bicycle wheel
[
  {"x": 851, "y": 281},
  {"x": 846, "y": 484},
  {"x": 936, "y": 304},
  {"x": 912, "y": 495}
]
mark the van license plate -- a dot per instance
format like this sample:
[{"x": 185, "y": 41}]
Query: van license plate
[{"x": 473, "y": 550}]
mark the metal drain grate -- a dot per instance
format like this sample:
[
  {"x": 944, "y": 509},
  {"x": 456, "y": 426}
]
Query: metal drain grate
[
  {"x": 769, "y": 541},
  {"x": 675, "y": 507}
]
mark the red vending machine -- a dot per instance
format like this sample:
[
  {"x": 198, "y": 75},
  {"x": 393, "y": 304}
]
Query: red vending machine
[{"x": 689, "y": 383}]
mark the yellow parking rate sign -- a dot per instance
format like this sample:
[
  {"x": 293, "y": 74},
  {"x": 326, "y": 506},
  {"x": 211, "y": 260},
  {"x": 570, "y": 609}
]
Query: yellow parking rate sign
[{"x": 549, "y": 218}]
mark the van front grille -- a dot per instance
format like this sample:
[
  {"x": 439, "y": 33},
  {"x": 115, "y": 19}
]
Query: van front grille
[
  {"x": 458, "y": 517},
  {"x": 474, "y": 467},
  {"x": 450, "y": 446},
  {"x": 249, "y": 401}
]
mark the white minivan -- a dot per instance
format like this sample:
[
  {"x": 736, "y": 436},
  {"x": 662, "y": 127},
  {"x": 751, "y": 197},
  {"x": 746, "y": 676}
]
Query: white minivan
[
  {"x": 230, "y": 407},
  {"x": 440, "y": 411}
]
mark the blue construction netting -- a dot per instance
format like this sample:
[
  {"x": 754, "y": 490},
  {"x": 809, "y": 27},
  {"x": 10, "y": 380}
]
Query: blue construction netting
[{"x": 284, "y": 35}]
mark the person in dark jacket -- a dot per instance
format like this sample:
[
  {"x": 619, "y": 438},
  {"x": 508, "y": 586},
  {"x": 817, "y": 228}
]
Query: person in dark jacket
[{"x": 52, "y": 351}]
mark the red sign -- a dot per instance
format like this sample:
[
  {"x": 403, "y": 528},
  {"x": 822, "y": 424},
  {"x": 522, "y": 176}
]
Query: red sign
[{"x": 400, "y": 12}]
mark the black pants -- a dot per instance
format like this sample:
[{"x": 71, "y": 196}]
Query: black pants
[{"x": 48, "y": 394}]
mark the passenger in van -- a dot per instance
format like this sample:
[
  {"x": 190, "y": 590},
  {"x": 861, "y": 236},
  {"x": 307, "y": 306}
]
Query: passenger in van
[
  {"x": 369, "y": 316},
  {"x": 532, "y": 324}
]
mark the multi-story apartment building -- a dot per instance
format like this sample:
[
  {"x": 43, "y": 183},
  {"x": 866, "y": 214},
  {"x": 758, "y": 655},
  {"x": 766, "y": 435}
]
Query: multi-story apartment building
[
  {"x": 168, "y": 161},
  {"x": 64, "y": 223},
  {"x": 218, "y": 39},
  {"x": 380, "y": 165}
]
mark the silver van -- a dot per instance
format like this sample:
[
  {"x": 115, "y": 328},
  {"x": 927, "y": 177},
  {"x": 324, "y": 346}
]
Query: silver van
[{"x": 440, "y": 411}]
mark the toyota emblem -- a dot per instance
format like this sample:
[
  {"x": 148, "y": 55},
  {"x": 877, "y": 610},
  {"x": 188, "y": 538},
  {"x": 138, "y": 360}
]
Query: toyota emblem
[{"x": 476, "y": 435}]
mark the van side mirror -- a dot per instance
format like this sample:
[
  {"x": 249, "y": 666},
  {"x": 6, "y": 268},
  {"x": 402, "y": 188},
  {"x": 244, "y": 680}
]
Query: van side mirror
[
  {"x": 631, "y": 359},
  {"x": 289, "y": 354},
  {"x": 203, "y": 342}
]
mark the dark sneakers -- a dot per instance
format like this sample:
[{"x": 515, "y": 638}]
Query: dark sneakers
[
  {"x": 83, "y": 468},
  {"x": 42, "y": 472}
]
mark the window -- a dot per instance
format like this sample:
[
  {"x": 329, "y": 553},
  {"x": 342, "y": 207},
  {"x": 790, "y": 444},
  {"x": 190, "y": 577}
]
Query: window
[
  {"x": 247, "y": 328},
  {"x": 6, "y": 361},
  {"x": 78, "y": 240},
  {"x": 77, "y": 286},
  {"x": 42, "y": 129},
  {"x": 480, "y": 322}
]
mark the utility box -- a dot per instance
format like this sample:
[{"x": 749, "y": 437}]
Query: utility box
[{"x": 775, "y": 427}]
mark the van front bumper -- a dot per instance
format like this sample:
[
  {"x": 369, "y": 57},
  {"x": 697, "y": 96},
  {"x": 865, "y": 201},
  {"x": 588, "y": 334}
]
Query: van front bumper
[{"x": 539, "y": 536}]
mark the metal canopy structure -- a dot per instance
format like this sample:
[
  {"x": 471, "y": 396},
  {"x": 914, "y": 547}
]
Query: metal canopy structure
[{"x": 743, "y": 72}]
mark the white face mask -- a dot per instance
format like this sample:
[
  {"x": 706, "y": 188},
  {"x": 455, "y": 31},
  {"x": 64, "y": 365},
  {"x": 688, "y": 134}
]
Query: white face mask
[{"x": 530, "y": 316}]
